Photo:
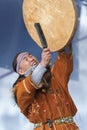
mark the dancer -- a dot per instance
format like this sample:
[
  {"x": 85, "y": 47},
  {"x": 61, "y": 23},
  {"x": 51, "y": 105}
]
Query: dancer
[{"x": 41, "y": 92}]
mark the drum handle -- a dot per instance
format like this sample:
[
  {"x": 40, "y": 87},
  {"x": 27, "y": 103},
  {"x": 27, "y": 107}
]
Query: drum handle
[{"x": 41, "y": 35}]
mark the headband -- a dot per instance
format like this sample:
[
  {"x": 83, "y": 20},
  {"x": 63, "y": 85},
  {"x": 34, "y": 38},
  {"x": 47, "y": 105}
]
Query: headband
[{"x": 20, "y": 57}]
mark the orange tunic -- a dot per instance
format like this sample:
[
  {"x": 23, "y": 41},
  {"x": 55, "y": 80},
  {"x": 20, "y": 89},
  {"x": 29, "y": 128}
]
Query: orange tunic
[{"x": 55, "y": 103}]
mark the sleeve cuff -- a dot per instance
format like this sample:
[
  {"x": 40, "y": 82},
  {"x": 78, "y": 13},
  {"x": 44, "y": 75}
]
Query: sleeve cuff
[{"x": 37, "y": 74}]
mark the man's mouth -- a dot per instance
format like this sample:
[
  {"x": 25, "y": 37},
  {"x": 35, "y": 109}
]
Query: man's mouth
[{"x": 34, "y": 63}]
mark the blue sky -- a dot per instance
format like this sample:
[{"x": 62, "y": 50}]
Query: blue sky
[{"x": 13, "y": 34}]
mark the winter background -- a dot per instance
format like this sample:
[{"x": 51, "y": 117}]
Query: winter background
[{"x": 14, "y": 38}]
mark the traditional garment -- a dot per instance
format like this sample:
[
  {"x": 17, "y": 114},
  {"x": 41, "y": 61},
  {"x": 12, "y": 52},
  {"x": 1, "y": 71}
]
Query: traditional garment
[{"x": 40, "y": 105}]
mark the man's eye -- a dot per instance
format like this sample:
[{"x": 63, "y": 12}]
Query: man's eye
[{"x": 26, "y": 58}]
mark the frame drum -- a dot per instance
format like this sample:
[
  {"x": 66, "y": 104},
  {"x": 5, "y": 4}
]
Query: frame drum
[{"x": 58, "y": 19}]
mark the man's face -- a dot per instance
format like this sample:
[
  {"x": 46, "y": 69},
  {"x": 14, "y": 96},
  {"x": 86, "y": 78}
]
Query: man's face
[{"x": 27, "y": 61}]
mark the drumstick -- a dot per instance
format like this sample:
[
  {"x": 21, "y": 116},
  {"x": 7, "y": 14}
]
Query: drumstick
[{"x": 41, "y": 35}]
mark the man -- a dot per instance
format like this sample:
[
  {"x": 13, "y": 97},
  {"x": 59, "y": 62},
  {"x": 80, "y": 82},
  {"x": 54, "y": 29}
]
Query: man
[{"x": 42, "y": 92}]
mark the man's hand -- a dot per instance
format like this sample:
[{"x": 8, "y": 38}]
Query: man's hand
[{"x": 46, "y": 57}]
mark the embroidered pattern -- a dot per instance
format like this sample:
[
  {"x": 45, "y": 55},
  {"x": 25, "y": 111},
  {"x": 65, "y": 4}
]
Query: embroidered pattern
[{"x": 26, "y": 87}]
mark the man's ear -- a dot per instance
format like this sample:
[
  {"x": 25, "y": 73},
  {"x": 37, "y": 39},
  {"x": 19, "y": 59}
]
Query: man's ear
[{"x": 20, "y": 71}]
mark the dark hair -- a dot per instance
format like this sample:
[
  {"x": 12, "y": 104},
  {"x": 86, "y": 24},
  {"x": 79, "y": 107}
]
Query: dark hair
[
  {"x": 14, "y": 64},
  {"x": 21, "y": 77},
  {"x": 47, "y": 76}
]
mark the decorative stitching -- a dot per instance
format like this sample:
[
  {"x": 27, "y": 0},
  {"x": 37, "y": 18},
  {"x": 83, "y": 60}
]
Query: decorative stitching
[{"x": 26, "y": 87}]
